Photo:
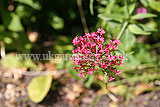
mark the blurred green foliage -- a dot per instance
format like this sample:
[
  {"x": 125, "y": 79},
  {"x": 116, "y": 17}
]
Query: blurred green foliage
[
  {"x": 47, "y": 17},
  {"x": 11, "y": 61},
  {"x": 56, "y": 21}
]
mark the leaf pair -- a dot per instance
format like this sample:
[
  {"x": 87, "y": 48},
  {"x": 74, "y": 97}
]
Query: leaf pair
[{"x": 140, "y": 29}]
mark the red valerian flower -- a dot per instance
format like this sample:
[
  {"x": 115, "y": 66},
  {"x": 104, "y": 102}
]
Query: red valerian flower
[{"x": 92, "y": 53}]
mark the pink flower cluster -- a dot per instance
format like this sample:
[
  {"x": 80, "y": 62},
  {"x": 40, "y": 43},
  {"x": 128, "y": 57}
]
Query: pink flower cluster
[
  {"x": 141, "y": 10},
  {"x": 93, "y": 53}
]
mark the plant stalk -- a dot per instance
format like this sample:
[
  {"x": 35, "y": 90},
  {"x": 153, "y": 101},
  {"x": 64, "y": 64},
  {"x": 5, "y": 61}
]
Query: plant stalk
[
  {"x": 83, "y": 19},
  {"x": 122, "y": 30},
  {"x": 126, "y": 23}
]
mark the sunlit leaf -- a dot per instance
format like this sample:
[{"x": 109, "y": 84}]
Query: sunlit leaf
[
  {"x": 143, "y": 15},
  {"x": 144, "y": 2},
  {"x": 10, "y": 61},
  {"x": 20, "y": 10},
  {"x": 110, "y": 6},
  {"x": 39, "y": 87},
  {"x": 131, "y": 7},
  {"x": 29, "y": 64},
  {"x": 31, "y": 3},
  {"x": 14, "y": 61},
  {"x": 57, "y": 22},
  {"x": 152, "y": 24},
  {"x": 116, "y": 17},
  {"x": 128, "y": 39},
  {"x": 8, "y": 40},
  {"x": 137, "y": 30},
  {"x": 15, "y": 24},
  {"x": 147, "y": 29},
  {"x": 155, "y": 5},
  {"x": 113, "y": 27},
  {"x": 91, "y": 7}
]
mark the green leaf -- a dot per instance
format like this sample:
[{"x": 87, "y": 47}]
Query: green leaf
[
  {"x": 126, "y": 9},
  {"x": 155, "y": 5},
  {"x": 20, "y": 10},
  {"x": 18, "y": 39},
  {"x": 143, "y": 15},
  {"x": 10, "y": 61},
  {"x": 128, "y": 39},
  {"x": 62, "y": 49},
  {"x": 137, "y": 30},
  {"x": 147, "y": 29},
  {"x": 29, "y": 64},
  {"x": 13, "y": 61},
  {"x": 8, "y": 40},
  {"x": 31, "y": 3},
  {"x": 89, "y": 81},
  {"x": 110, "y": 6},
  {"x": 15, "y": 24},
  {"x": 144, "y": 2},
  {"x": 131, "y": 7},
  {"x": 91, "y": 7},
  {"x": 113, "y": 27},
  {"x": 152, "y": 24},
  {"x": 39, "y": 87},
  {"x": 109, "y": 17},
  {"x": 57, "y": 22}
]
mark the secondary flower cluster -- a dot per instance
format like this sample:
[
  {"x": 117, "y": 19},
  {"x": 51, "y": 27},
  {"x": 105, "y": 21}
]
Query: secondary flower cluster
[
  {"x": 93, "y": 53},
  {"x": 141, "y": 10}
]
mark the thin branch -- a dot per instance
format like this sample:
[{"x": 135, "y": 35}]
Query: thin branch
[
  {"x": 126, "y": 23},
  {"x": 122, "y": 30},
  {"x": 126, "y": 9},
  {"x": 83, "y": 19}
]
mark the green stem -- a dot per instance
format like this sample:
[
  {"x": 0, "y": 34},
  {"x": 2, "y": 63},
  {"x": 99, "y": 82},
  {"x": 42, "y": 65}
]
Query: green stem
[
  {"x": 83, "y": 19},
  {"x": 122, "y": 30},
  {"x": 126, "y": 23},
  {"x": 126, "y": 9}
]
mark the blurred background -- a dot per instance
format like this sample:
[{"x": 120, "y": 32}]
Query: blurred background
[{"x": 43, "y": 26}]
